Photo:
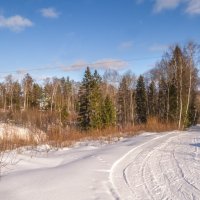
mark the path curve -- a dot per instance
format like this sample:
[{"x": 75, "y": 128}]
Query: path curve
[{"x": 166, "y": 167}]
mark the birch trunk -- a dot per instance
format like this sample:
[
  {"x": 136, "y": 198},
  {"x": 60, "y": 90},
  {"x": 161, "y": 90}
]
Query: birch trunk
[
  {"x": 181, "y": 98},
  {"x": 189, "y": 93}
]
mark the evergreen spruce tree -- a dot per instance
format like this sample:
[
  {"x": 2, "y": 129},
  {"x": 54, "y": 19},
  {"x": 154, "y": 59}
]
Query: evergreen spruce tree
[
  {"x": 27, "y": 83},
  {"x": 17, "y": 95},
  {"x": 90, "y": 101},
  {"x": 123, "y": 102},
  {"x": 96, "y": 102},
  {"x": 108, "y": 113},
  {"x": 152, "y": 99},
  {"x": 173, "y": 106},
  {"x": 140, "y": 99},
  {"x": 162, "y": 100},
  {"x": 85, "y": 101},
  {"x": 193, "y": 113},
  {"x": 36, "y": 95}
]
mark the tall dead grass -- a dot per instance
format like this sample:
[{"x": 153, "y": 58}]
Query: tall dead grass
[
  {"x": 62, "y": 137},
  {"x": 11, "y": 141},
  {"x": 57, "y": 136}
]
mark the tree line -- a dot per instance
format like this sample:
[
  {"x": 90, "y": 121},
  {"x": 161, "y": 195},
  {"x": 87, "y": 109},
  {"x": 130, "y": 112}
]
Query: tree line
[{"x": 168, "y": 92}]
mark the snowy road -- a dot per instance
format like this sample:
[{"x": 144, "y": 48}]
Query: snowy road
[
  {"x": 149, "y": 166},
  {"x": 166, "y": 167}
]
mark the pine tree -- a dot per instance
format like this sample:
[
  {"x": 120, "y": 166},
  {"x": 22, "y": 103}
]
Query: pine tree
[{"x": 140, "y": 99}]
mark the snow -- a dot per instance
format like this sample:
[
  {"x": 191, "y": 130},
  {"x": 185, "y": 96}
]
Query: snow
[
  {"x": 166, "y": 167},
  {"x": 148, "y": 166},
  {"x": 10, "y": 131}
]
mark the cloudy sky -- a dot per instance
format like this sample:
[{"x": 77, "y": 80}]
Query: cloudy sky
[{"x": 62, "y": 37}]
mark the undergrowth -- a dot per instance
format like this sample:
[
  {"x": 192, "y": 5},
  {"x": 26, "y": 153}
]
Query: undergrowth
[{"x": 64, "y": 137}]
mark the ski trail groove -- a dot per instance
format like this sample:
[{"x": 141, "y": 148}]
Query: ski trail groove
[
  {"x": 166, "y": 167},
  {"x": 129, "y": 193}
]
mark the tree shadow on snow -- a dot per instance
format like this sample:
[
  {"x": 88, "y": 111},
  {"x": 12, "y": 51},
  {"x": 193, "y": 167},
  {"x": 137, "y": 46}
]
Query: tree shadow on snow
[
  {"x": 195, "y": 145},
  {"x": 194, "y": 128}
]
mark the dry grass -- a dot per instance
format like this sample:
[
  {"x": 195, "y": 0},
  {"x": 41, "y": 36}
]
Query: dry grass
[
  {"x": 8, "y": 143},
  {"x": 153, "y": 125},
  {"x": 15, "y": 142},
  {"x": 62, "y": 137},
  {"x": 58, "y": 137}
]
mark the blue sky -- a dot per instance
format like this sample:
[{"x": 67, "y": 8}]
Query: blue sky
[{"x": 61, "y": 37}]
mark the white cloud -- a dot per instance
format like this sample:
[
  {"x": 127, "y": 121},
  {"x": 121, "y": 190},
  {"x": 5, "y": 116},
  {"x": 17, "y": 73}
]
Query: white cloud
[
  {"x": 139, "y": 1},
  {"x": 193, "y": 7},
  {"x": 78, "y": 65},
  {"x": 21, "y": 71},
  {"x": 15, "y": 23},
  {"x": 99, "y": 64},
  {"x": 126, "y": 45},
  {"x": 49, "y": 13},
  {"x": 161, "y": 5},
  {"x": 110, "y": 64},
  {"x": 158, "y": 47}
]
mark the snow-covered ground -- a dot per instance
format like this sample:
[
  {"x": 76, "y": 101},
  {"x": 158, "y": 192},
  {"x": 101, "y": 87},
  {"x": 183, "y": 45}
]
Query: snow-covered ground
[
  {"x": 149, "y": 166},
  {"x": 10, "y": 131},
  {"x": 7, "y": 130}
]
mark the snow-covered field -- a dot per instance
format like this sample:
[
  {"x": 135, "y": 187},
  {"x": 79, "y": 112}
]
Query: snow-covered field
[{"x": 149, "y": 166}]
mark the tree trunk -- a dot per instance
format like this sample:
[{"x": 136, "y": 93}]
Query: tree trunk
[
  {"x": 180, "y": 96},
  {"x": 189, "y": 94}
]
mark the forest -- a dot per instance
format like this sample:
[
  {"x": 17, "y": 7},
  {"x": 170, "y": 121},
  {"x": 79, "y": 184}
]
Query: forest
[{"x": 167, "y": 94}]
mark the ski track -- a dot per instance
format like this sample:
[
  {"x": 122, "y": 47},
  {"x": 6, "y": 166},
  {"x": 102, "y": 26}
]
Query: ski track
[{"x": 166, "y": 167}]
